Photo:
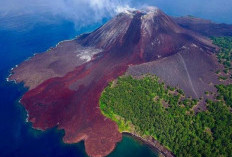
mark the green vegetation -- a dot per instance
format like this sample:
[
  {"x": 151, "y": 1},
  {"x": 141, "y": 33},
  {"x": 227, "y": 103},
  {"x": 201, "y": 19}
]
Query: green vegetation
[
  {"x": 141, "y": 102},
  {"x": 123, "y": 126},
  {"x": 191, "y": 16},
  {"x": 225, "y": 54},
  {"x": 222, "y": 78},
  {"x": 226, "y": 93}
]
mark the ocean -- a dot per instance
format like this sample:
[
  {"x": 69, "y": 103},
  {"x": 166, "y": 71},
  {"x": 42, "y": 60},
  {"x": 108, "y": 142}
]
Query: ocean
[{"x": 20, "y": 38}]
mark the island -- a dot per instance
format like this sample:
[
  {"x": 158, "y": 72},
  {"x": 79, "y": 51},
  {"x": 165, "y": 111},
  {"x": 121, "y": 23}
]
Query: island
[{"x": 70, "y": 87}]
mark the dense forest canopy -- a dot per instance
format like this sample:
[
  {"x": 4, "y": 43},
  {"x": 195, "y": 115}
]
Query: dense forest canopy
[{"x": 225, "y": 54}]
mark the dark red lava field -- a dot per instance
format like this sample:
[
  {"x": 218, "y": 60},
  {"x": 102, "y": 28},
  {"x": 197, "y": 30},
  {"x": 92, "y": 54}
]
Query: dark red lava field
[{"x": 69, "y": 98}]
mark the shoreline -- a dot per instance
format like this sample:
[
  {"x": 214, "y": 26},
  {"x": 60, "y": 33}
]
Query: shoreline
[
  {"x": 149, "y": 141},
  {"x": 153, "y": 144},
  {"x": 10, "y": 73},
  {"x": 36, "y": 53}
]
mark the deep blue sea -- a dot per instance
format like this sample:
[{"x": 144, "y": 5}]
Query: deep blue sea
[{"x": 20, "y": 38}]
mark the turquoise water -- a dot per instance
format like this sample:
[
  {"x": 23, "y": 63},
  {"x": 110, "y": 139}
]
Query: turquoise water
[
  {"x": 20, "y": 38},
  {"x": 129, "y": 147}
]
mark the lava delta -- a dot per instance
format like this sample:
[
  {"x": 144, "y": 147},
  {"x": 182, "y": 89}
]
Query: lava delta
[{"x": 66, "y": 82}]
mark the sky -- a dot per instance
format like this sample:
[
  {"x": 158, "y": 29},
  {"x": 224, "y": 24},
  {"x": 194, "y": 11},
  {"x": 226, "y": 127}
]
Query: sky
[{"x": 87, "y": 12}]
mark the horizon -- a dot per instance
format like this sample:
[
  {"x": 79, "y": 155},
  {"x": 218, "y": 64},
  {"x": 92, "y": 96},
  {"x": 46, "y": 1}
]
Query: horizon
[{"x": 88, "y": 12}]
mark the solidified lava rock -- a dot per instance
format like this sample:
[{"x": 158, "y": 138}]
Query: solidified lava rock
[{"x": 69, "y": 98}]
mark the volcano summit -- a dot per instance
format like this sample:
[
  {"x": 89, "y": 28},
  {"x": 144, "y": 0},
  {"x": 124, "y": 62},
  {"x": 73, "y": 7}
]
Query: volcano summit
[{"x": 66, "y": 82}]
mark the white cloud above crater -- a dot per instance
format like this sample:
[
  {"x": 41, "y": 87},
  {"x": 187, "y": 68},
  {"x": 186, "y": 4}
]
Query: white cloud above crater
[{"x": 80, "y": 11}]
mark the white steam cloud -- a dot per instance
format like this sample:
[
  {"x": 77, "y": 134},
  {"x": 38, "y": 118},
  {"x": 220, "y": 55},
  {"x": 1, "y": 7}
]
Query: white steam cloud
[
  {"x": 87, "y": 12},
  {"x": 80, "y": 11}
]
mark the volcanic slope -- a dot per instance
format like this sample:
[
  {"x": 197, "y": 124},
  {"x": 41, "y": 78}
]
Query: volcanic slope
[
  {"x": 70, "y": 100},
  {"x": 204, "y": 27},
  {"x": 190, "y": 69}
]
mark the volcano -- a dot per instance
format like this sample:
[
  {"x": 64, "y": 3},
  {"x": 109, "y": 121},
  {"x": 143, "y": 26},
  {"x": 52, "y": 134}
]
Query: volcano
[{"x": 66, "y": 82}]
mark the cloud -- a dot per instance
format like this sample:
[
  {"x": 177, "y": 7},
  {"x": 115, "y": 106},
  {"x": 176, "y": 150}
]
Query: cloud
[
  {"x": 88, "y": 12},
  {"x": 80, "y": 11}
]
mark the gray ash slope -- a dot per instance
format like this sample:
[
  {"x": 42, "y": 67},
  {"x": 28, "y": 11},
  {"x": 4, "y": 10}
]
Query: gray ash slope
[{"x": 204, "y": 27}]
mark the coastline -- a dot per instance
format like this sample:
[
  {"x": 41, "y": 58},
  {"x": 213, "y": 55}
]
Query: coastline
[
  {"x": 149, "y": 141},
  {"x": 34, "y": 54},
  {"x": 10, "y": 73},
  {"x": 153, "y": 144}
]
